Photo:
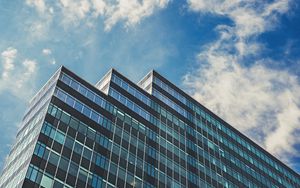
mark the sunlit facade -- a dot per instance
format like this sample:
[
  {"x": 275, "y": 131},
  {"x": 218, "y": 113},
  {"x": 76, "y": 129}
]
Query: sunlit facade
[{"x": 121, "y": 134}]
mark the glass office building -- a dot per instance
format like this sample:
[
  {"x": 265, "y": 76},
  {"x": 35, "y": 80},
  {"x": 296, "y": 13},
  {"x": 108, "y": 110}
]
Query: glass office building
[{"x": 121, "y": 134}]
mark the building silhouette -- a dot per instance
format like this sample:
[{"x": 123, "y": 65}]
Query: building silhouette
[{"x": 121, "y": 134}]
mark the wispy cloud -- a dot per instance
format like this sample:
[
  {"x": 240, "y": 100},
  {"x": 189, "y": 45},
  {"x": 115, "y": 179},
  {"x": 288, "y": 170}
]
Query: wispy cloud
[
  {"x": 112, "y": 12},
  {"x": 16, "y": 77},
  {"x": 47, "y": 51},
  {"x": 8, "y": 57},
  {"x": 48, "y": 54},
  {"x": 37, "y": 27},
  {"x": 131, "y": 11},
  {"x": 257, "y": 99},
  {"x": 40, "y": 5},
  {"x": 74, "y": 11}
]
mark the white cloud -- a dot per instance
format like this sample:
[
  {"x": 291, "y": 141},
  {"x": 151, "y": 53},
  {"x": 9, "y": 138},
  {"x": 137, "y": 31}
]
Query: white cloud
[
  {"x": 74, "y": 10},
  {"x": 47, "y": 51},
  {"x": 250, "y": 17},
  {"x": 131, "y": 11},
  {"x": 28, "y": 69},
  {"x": 256, "y": 99},
  {"x": 38, "y": 27},
  {"x": 8, "y": 57},
  {"x": 99, "y": 7},
  {"x": 39, "y": 4},
  {"x": 112, "y": 12},
  {"x": 16, "y": 77},
  {"x": 53, "y": 61}
]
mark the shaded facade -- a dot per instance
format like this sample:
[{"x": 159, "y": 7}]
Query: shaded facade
[{"x": 121, "y": 134}]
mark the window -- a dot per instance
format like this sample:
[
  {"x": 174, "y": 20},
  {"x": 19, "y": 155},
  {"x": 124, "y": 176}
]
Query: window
[
  {"x": 129, "y": 104},
  {"x": 65, "y": 118},
  {"x": 59, "y": 137},
  {"x": 104, "y": 141},
  {"x": 82, "y": 174},
  {"x": 60, "y": 95},
  {"x": 99, "y": 101},
  {"x": 78, "y": 148},
  {"x": 120, "y": 115},
  {"x": 63, "y": 164},
  {"x": 53, "y": 159},
  {"x": 53, "y": 111},
  {"x": 32, "y": 173},
  {"x": 82, "y": 90},
  {"x": 74, "y": 123},
  {"x": 131, "y": 90},
  {"x": 82, "y": 128},
  {"x": 95, "y": 116},
  {"x": 122, "y": 99},
  {"x": 29, "y": 171},
  {"x": 78, "y": 106},
  {"x": 152, "y": 152},
  {"x": 69, "y": 142},
  {"x": 210, "y": 145},
  {"x": 100, "y": 161},
  {"x": 136, "y": 109},
  {"x": 150, "y": 170},
  {"x": 66, "y": 79},
  {"x": 91, "y": 133},
  {"x": 87, "y": 153},
  {"x": 96, "y": 181},
  {"x": 192, "y": 161},
  {"x": 73, "y": 169},
  {"x": 124, "y": 85},
  {"x": 86, "y": 111},
  {"x": 39, "y": 149},
  {"x": 148, "y": 185},
  {"x": 58, "y": 185},
  {"x": 74, "y": 85},
  {"x": 46, "y": 129},
  {"x": 70, "y": 101},
  {"x": 90, "y": 95},
  {"x": 193, "y": 178},
  {"x": 46, "y": 181}
]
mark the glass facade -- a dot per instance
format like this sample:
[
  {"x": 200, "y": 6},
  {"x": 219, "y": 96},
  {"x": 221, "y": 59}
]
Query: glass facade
[{"x": 117, "y": 134}]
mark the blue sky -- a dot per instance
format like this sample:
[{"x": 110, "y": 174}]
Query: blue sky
[{"x": 240, "y": 59}]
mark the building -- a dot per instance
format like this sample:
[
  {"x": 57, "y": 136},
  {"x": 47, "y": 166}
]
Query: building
[{"x": 121, "y": 134}]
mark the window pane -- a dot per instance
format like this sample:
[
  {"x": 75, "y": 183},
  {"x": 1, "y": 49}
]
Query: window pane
[
  {"x": 58, "y": 185},
  {"x": 53, "y": 159},
  {"x": 95, "y": 116},
  {"x": 63, "y": 164},
  {"x": 90, "y": 95},
  {"x": 29, "y": 172},
  {"x": 69, "y": 142},
  {"x": 65, "y": 118},
  {"x": 86, "y": 111},
  {"x": 82, "y": 90},
  {"x": 74, "y": 85},
  {"x": 82, "y": 174},
  {"x": 98, "y": 100},
  {"x": 87, "y": 153},
  {"x": 70, "y": 101},
  {"x": 46, "y": 182},
  {"x": 73, "y": 169},
  {"x": 78, "y": 106},
  {"x": 59, "y": 137},
  {"x": 91, "y": 134},
  {"x": 78, "y": 148},
  {"x": 66, "y": 79},
  {"x": 82, "y": 128},
  {"x": 74, "y": 123}
]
